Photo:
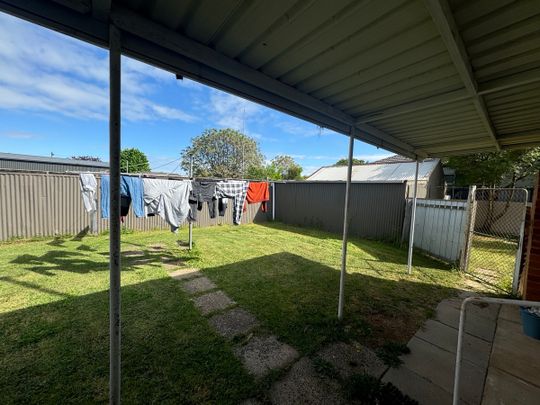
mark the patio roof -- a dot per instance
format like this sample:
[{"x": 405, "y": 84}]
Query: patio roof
[{"x": 419, "y": 78}]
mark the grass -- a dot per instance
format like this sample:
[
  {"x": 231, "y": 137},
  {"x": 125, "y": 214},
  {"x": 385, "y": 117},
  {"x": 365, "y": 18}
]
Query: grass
[
  {"x": 54, "y": 309},
  {"x": 492, "y": 262}
]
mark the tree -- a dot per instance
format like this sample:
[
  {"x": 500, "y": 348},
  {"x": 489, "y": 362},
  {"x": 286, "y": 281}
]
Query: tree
[
  {"x": 132, "y": 160},
  {"x": 87, "y": 158},
  {"x": 345, "y": 162},
  {"x": 495, "y": 169},
  {"x": 287, "y": 168},
  {"x": 223, "y": 153}
]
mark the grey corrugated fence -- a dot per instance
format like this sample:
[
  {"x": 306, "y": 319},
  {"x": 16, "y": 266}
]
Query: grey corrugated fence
[
  {"x": 34, "y": 204},
  {"x": 376, "y": 209}
]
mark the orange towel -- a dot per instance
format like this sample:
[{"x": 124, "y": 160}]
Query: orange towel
[{"x": 258, "y": 192}]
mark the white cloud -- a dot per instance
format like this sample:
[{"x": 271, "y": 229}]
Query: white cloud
[
  {"x": 231, "y": 111},
  {"x": 18, "y": 135},
  {"x": 43, "y": 71}
]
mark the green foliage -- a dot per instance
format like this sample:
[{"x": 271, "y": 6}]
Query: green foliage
[
  {"x": 223, "y": 153},
  {"x": 286, "y": 167},
  {"x": 369, "y": 390},
  {"x": 389, "y": 353},
  {"x": 495, "y": 168},
  {"x": 132, "y": 160},
  {"x": 345, "y": 162}
]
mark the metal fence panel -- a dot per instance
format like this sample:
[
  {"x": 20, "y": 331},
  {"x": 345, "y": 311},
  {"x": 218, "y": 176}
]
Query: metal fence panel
[
  {"x": 49, "y": 204},
  {"x": 376, "y": 209},
  {"x": 440, "y": 227}
]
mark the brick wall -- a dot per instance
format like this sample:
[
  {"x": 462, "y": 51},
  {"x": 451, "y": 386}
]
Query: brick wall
[{"x": 530, "y": 281}]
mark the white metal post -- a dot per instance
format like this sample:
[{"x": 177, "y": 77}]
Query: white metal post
[
  {"x": 190, "y": 223},
  {"x": 345, "y": 226},
  {"x": 273, "y": 201},
  {"x": 517, "y": 266},
  {"x": 413, "y": 219},
  {"x": 114, "y": 221}
]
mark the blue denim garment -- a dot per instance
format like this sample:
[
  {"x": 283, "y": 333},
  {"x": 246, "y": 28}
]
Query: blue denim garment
[{"x": 129, "y": 187}]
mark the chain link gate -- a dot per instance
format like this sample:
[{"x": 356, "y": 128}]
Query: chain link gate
[{"x": 496, "y": 236}]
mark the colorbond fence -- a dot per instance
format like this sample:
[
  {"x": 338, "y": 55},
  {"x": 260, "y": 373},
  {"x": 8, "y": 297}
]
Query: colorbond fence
[
  {"x": 376, "y": 209},
  {"x": 440, "y": 227},
  {"x": 34, "y": 204}
]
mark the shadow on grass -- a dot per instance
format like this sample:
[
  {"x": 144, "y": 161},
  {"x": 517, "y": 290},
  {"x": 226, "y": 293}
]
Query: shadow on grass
[{"x": 58, "y": 352}]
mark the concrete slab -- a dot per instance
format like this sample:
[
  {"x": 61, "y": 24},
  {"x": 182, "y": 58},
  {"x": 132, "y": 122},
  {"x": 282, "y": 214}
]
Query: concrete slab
[
  {"x": 262, "y": 354},
  {"x": 437, "y": 365},
  {"x": 348, "y": 359},
  {"x": 302, "y": 385},
  {"x": 510, "y": 313},
  {"x": 481, "y": 309},
  {"x": 417, "y": 387},
  {"x": 475, "y": 350},
  {"x": 199, "y": 284},
  {"x": 184, "y": 274},
  {"x": 212, "y": 302},
  {"x": 503, "y": 388},
  {"x": 516, "y": 353},
  {"x": 479, "y": 326},
  {"x": 131, "y": 253},
  {"x": 234, "y": 322}
]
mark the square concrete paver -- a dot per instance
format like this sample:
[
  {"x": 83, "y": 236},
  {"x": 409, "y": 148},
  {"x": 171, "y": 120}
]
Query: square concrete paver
[
  {"x": 212, "y": 302},
  {"x": 302, "y": 386},
  {"x": 232, "y": 323},
  {"x": 199, "y": 284},
  {"x": 475, "y": 350},
  {"x": 504, "y": 388},
  {"x": 349, "y": 360},
  {"x": 262, "y": 354},
  {"x": 482, "y": 326},
  {"x": 183, "y": 274}
]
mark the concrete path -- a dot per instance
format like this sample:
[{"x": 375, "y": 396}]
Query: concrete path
[
  {"x": 427, "y": 373},
  {"x": 261, "y": 353}
]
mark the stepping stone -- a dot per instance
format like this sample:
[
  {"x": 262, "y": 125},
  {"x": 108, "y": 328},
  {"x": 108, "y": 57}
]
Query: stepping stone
[
  {"x": 349, "y": 360},
  {"x": 157, "y": 247},
  {"x": 212, "y": 302},
  {"x": 129, "y": 253},
  {"x": 303, "y": 385},
  {"x": 263, "y": 354},
  {"x": 183, "y": 274},
  {"x": 142, "y": 260},
  {"x": 172, "y": 264},
  {"x": 199, "y": 284},
  {"x": 232, "y": 323}
]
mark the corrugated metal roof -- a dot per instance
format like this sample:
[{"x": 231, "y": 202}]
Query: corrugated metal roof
[
  {"x": 377, "y": 173},
  {"x": 432, "y": 77},
  {"x": 52, "y": 160}
]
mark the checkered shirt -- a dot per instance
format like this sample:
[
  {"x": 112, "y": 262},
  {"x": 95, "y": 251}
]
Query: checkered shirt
[{"x": 236, "y": 190}]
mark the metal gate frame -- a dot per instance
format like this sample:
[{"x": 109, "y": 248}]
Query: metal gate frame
[{"x": 473, "y": 205}]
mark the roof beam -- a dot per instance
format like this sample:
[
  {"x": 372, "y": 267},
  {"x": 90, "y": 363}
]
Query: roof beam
[
  {"x": 101, "y": 9},
  {"x": 444, "y": 20}
]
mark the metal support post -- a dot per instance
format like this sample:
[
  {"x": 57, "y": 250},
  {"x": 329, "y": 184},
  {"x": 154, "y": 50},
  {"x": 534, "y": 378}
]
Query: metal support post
[
  {"x": 413, "y": 219},
  {"x": 190, "y": 223},
  {"x": 114, "y": 221},
  {"x": 345, "y": 227},
  {"x": 273, "y": 201}
]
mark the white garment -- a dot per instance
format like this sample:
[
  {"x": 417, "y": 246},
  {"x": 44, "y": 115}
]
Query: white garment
[
  {"x": 167, "y": 198},
  {"x": 88, "y": 185}
]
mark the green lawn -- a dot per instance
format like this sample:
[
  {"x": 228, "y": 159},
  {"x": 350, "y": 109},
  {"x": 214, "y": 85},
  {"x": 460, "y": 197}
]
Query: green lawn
[
  {"x": 54, "y": 310},
  {"x": 492, "y": 262}
]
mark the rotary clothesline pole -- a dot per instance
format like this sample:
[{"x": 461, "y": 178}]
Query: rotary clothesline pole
[
  {"x": 413, "y": 219},
  {"x": 190, "y": 223}
]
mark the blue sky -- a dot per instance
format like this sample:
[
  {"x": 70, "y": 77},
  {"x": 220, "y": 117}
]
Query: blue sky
[{"x": 54, "y": 99}]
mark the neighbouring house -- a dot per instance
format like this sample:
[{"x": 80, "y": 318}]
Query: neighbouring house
[
  {"x": 12, "y": 161},
  {"x": 391, "y": 170}
]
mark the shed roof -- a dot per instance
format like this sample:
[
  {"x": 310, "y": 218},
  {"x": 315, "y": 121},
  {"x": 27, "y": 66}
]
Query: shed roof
[
  {"x": 377, "y": 173},
  {"x": 432, "y": 77},
  {"x": 52, "y": 160}
]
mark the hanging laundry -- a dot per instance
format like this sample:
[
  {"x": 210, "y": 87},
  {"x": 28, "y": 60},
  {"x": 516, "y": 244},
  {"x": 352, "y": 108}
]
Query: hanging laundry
[
  {"x": 88, "y": 184},
  {"x": 202, "y": 192},
  {"x": 222, "y": 206},
  {"x": 131, "y": 192},
  {"x": 258, "y": 191},
  {"x": 236, "y": 190},
  {"x": 169, "y": 199}
]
